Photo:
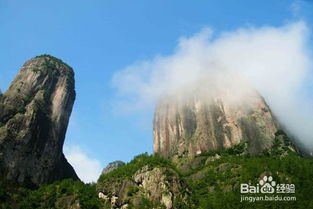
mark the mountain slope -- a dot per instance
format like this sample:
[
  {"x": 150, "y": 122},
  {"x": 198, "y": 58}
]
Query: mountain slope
[
  {"x": 34, "y": 114},
  {"x": 209, "y": 180}
]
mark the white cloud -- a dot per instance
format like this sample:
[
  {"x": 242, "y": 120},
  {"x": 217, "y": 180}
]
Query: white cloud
[
  {"x": 88, "y": 169},
  {"x": 275, "y": 60}
]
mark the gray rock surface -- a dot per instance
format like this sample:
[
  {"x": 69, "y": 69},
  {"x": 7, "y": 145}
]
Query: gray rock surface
[
  {"x": 34, "y": 115},
  {"x": 198, "y": 123},
  {"x": 111, "y": 166}
]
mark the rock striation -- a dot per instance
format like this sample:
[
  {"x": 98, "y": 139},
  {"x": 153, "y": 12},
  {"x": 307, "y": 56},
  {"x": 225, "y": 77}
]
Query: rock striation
[
  {"x": 34, "y": 115},
  {"x": 190, "y": 125}
]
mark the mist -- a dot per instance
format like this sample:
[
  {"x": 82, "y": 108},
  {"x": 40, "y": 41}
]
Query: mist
[{"x": 276, "y": 61}]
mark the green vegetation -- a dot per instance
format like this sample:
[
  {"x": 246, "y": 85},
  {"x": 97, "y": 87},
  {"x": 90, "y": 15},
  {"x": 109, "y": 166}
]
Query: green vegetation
[
  {"x": 53, "y": 59},
  {"x": 138, "y": 162},
  {"x": 132, "y": 190},
  {"x": 146, "y": 204},
  {"x": 216, "y": 183},
  {"x": 219, "y": 183},
  {"x": 212, "y": 182},
  {"x": 60, "y": 194}
]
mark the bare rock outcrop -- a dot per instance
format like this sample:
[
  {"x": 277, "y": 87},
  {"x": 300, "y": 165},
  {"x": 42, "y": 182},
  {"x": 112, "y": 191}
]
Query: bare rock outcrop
[
  {"x": 111, "y": 166},
  {"x": 159, "y": 185},
  {"x": 190, "y": 125},
  {"x": 34, "y": 115}
]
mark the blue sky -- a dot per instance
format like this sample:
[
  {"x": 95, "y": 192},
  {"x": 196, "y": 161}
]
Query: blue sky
[{"x": 101, "y": 37}]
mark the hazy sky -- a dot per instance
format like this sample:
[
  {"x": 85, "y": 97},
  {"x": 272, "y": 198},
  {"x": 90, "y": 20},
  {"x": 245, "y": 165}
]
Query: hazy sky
[{"x": 101, "y": 39}]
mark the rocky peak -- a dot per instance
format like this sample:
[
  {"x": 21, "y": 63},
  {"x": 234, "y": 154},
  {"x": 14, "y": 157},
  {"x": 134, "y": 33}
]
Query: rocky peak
[
  {"x": 113, "y": 165},
  {"x": 34, "y": 115},
  {"x": 190, "y": 125}
]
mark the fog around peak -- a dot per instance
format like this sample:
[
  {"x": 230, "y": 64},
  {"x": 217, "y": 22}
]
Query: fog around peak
[{"x": 276, "y": 61}]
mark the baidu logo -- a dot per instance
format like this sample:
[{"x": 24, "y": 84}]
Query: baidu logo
[{"x": 267, "y": 186}]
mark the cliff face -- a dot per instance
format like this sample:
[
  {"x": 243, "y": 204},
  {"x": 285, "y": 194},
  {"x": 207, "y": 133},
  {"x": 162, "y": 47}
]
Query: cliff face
[
  {"x": 34, "y": 115},
  {"x": 197, "y": 123}
]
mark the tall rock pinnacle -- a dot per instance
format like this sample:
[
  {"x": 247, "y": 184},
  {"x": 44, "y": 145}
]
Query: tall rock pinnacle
[
  {"x": 198, "y": 123},
  {"x": 34, "y": 115}
]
